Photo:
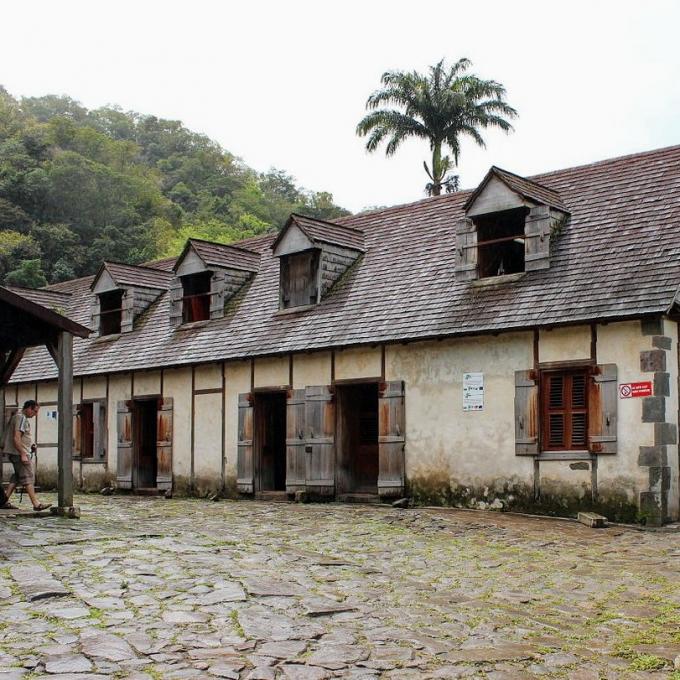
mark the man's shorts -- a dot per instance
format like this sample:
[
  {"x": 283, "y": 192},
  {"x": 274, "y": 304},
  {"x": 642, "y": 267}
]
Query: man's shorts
[{"x": 23, "y": 472}]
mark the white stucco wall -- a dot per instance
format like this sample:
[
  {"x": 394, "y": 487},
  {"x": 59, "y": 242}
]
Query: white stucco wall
[
  {"x": 311, "y": 369},
  {"x": 361, "y": 362},
  {"x": 208, "y": 436},
  {"x": 147, "y": 383},
  {"x": 94, "y": 388},
  {"x": 564, "y": 344},
  {"x": 177, "y": 385},
  {"x": 272, "y": 372},
  {"x": 473, "y": 447},
  {"x": 237, "y": 379},
  {"x": 208, "y": 377},
  {"x": 621, "y": 344}
]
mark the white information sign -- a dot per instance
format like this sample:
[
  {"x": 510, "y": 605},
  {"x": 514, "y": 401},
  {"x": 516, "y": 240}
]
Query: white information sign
[{"x": 473, "y": 391}]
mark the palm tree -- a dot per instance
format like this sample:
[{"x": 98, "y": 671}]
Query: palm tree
[{"x": 441, "y": 107}]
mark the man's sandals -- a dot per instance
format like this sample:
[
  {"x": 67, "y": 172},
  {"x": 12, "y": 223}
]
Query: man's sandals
[
  {"x": 42, "y": 506},
  {"x": 8, "y": 506}
]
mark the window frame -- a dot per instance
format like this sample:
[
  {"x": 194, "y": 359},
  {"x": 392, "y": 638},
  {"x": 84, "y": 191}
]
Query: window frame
[
  {"x": 313, "y": 286},
  {"x": 204, "y": 297},
  {"x": 116, "y": 329},
  {"x": 481, "y": 245},
  {"x": 567, "y": 409}
]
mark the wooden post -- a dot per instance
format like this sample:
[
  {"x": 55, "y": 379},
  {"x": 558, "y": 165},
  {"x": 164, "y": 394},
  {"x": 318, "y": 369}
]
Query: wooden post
[{"x": 64, "y": 361}]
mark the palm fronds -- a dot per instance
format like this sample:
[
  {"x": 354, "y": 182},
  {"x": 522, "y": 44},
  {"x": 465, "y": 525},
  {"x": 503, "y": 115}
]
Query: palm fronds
[{"x": 446, "y": 104}]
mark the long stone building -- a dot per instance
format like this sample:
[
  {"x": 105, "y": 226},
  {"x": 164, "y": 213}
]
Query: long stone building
[{"x": 514, "y": 346}]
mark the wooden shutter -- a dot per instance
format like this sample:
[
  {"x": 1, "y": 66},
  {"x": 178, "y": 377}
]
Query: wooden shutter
[
  {"x": 537, "y": 238},
  {"x": 466, "y": 250},
  {"x": 295, "y": 441},
  {"x": 176, "y": 293},
  {"x": 320, "y": 444},
  {"x": 95, "y": 315},
  {"x": 77, "y": 431},
  {"x": 603, "y": 407},
  {"x": 124, "y": 462},
  {"x": 100, "y": 430},
  {"x": 526, "y": 413},
  {"x": 9, "y": 412},
  {"x": 218, "y": 283},
  {"x": 391, "y": 438},
  {"x": 244, "y": 459},
  {"x": 164, "y": 428}
]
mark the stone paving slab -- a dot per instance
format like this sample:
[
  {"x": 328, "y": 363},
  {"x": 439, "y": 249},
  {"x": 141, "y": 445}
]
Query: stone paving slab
[{"x": 148, "y": 588}]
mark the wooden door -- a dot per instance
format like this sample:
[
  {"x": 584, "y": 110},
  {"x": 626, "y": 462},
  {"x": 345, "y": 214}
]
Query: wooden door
[
  {"x": 320, "y": 444},
  {"x": 164, "y": 418},
  {"x": 245, "y": 474},
  {"x": 124, "y": 461},
  {"x": 295, "y": 441},
  {"x": 391, "y": 438}
]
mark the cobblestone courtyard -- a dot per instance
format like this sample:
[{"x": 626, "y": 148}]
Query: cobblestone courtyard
[{"x": 154, "y": 588}]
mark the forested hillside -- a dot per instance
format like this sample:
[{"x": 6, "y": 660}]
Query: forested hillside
[{"x": 79, "y": 186}]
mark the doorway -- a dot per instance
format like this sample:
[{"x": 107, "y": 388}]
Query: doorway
[
  {"x": 145, "y": 469},
  {"x": 357, "y": 438},
  {"x": 270, "y": 441}
]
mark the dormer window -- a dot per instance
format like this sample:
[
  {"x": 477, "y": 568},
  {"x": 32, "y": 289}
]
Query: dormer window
[
  {"x": 313, "y": 255},
  {"x": 196, "y": 297},
  {"x": 509, "y": 221},
  {"x": 110, "y": 312},
  {"x": 206, "y": 277},
  {"x": 500, "y": 242},
  {"x": 299, "y": 279},
  {"x": 121, "y": 295}
]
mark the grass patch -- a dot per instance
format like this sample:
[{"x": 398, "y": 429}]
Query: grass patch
[
  {"x": 647, "y": 662},
  {"x": 233, "y": 615}
]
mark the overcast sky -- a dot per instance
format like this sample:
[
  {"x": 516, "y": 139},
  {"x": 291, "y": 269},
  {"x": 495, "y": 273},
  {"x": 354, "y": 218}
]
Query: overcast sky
[{"x": 284, "y": 84}]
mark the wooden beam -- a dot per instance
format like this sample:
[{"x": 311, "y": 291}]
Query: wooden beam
[
  {"x": 10, "y": 364},
  {"x": 64, "y": 361}
]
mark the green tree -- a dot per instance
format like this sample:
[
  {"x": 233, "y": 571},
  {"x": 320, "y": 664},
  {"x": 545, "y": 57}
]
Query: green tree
[
  {"x": 441, "y": 107},
  {"x": 28, "y": 274}
]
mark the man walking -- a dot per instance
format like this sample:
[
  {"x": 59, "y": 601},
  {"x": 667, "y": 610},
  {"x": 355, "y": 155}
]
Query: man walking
[{"x": 18, "y": 445}]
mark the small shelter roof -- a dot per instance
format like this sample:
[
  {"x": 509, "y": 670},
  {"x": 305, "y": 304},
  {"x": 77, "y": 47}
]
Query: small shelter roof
[{"x": 26, "y": 323}]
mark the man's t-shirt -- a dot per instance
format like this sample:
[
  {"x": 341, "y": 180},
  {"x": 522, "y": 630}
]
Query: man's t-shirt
[{"x": 17, "y": 423}]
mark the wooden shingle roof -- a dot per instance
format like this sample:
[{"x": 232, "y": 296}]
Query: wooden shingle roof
[
  {"x": 136, "y": 275},
  {"x": 522, "y": 186},
  {"x": 618, "y": 256},
  {"x": 222, "y": 255},
  {"x": 317, "y": 230}
]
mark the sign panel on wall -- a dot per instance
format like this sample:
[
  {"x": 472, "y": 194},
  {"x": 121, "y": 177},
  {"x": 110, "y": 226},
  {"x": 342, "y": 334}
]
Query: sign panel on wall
[
  {"x": 473, "y": 391},
  {"x": 635, "y": 389}
]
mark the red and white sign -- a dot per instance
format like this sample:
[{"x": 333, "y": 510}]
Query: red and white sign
[{"x": 636, "y": 389}]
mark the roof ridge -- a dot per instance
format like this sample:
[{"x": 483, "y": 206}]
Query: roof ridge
[
  {"x": 228, "y": 245},
  {"x": 613, "y": 159},
  {"x": 44, "y": 289},
  {"x": 135, "y": 266},
  {"x": 332, "y": 224}
]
